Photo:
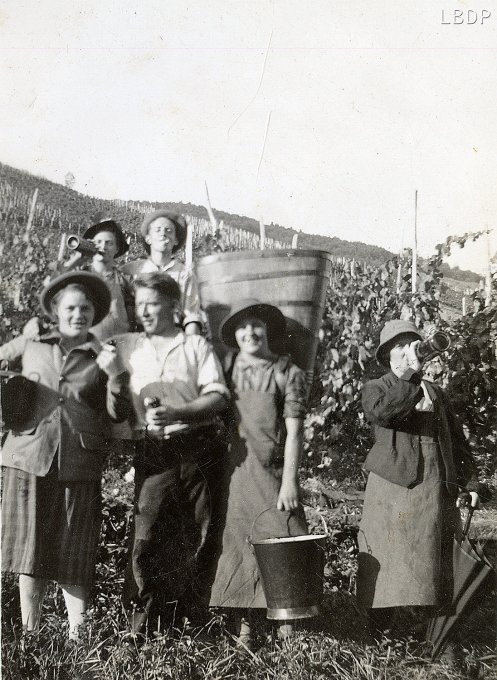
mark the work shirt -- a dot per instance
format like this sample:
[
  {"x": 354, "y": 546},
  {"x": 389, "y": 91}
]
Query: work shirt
[
  {"x": 184, "y": 277},
  {"x": 67, "y": 414},
  {"x": 121, "y": 306},
  {"x": 175, "y": 369}
]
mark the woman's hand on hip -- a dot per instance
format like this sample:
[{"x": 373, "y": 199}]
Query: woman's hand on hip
[{"x": 288, "y": 498}]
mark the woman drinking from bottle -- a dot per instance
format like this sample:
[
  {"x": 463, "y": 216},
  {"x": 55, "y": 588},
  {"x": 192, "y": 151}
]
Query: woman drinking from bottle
[{"x": 419, "y": 465}]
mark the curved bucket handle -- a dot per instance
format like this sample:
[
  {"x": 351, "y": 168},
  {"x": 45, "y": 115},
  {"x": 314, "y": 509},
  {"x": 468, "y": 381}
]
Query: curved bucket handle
[{"x": 323, "y": 522}]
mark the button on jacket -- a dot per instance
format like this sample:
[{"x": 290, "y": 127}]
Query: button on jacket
[{"x": 68, "y": 414}]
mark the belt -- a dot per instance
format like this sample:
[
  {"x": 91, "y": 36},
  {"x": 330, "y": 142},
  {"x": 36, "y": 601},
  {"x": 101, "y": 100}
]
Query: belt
[{"x": 200, "y": 430}]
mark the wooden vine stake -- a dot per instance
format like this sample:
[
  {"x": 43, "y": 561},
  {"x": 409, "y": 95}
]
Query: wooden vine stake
[
  {"x": 262, "y": 232},
  {"x": 488, "y": 274},
  {"x": 210, "y": 212},
  {"x": 189, "y": 246},
  {"x": 399, "y": 272},
  {"x": 414, "y": 270},
  {"x": 32, "y": 210},
  {"x": 62, "y": 247}
]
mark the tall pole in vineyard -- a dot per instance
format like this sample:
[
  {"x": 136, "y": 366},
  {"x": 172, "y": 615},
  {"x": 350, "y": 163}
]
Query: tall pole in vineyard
[
  {"x": 262, "y": 232},
  {"x": 414, "y": 270},
  {"x": 210, "y": 212},
  {"x": 32, "y": 210},
  {"x": 189, "y": 245},
  {"x": 399, "y": 272},
  {"x": 488, "y": 274}
]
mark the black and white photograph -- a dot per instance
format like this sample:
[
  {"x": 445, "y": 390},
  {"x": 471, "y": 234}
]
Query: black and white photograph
[{"x": 248, "y": 340}]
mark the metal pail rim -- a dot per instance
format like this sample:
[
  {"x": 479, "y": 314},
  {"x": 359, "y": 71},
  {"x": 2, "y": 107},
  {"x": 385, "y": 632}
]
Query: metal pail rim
[{"x": 288, "y": 539}]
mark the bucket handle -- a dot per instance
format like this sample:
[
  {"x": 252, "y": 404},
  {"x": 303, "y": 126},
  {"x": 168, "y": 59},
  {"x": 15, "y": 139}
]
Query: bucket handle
[{"x": 323, "y": 522}]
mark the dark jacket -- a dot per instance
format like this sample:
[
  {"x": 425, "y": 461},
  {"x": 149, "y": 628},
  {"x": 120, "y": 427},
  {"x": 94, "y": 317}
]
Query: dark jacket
[
  {"x": 68, "y": 413},
  {"x": 389, "y": 403}
]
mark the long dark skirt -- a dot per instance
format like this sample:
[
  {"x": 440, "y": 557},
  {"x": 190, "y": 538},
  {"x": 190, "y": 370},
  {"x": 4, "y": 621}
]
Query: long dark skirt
[
  {"x": 50, "y": 529},
  {"x": 406, "y": 538}
]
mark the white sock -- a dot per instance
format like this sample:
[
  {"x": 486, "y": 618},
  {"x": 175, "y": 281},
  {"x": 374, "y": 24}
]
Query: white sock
[
  {"x": 76, "y": 599},
  {"x": 31, "y": 594}
]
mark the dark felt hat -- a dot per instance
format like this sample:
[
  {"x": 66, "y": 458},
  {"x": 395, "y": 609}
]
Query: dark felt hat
[
  {"x": 178, "y": 220},
  {"x": 104, "y": 222},
  {"x": 271, "y": 315},
  {"x": 99, "y": 292},
  {"x": 389, "y": 333}
]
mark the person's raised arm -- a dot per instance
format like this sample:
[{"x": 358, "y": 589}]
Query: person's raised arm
[
  {"x": 118, "y": 397},
  {"x": 192, "y": 322}
]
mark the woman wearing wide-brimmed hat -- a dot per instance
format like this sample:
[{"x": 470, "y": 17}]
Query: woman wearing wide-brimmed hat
[
  {"x": 266, "y": 430},
  {"x": 418, "y": 466},
  {"x": 164, "y": 234},
  {"x": 52, "y": 465},
  {"x": 110, "y": 241}
]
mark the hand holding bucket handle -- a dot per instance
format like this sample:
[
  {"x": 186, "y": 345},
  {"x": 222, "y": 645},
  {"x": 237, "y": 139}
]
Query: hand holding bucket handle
[
  {"x": 273, "y": 507},
  {"x": 291, "y": 570}
]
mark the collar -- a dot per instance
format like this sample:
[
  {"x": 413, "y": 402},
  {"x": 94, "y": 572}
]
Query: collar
[
  {"x": 104, "y": 275},
  {"x": 178, "y": 339},
  {"x": 163, "y": 268},
  {"x": 245, "y": 364},
  {"x": 54, "y": 338},
  {"x": 110, "y": 274}
]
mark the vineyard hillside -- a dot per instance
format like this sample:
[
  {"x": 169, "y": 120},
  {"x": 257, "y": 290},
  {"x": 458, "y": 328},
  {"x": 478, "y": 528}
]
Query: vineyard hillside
[{"x": 76, "y": 209}]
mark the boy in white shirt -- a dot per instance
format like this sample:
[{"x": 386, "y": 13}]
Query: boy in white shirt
[{"x": 179, "y": 451}]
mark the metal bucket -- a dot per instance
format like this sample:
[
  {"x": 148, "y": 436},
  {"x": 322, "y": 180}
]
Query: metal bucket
[
  {"x": 292, "y": 571},
  {"x": 293, "y": 280}
]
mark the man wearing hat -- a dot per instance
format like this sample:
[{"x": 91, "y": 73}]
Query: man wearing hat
[
  {"x": 419, "y": 464},
  {"x": 164, "y": 234},
  {"x": 111, "y": 243},
  {"x": 108, "y": 237}
]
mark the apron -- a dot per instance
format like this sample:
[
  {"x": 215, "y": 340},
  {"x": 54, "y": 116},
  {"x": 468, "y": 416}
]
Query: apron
[
  {"x": 406, "y": 538},
  {"x": 254, "y": 468}
]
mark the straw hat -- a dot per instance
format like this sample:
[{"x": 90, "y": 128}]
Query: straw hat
[
  {"x": 178, "y": 221},
  {"x": 98, "y": 289},
  {"x": 271, "y": 315},
  {"x": 389, "y": 333},
  {"x": 104, "y": 222}
]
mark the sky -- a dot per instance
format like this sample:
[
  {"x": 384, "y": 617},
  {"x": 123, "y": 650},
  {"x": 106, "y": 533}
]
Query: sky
[{"x": 324, "y": 115}]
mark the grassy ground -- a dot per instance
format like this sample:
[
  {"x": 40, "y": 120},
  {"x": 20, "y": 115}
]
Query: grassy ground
[{"x": 335, "y": 645}]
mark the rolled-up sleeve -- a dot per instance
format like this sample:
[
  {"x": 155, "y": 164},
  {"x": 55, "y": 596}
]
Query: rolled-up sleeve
[
  {"x": 190, "y": 298},
  {"x": 119, "y": 405},
  {"x": 295, "y": 394},
  {"x": 210, "y": 374},
  {"x": 13, "y": 350}
]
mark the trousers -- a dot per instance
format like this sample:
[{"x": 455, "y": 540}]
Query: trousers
[{"x": 171, "y": 546}]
